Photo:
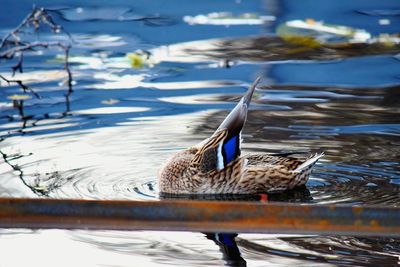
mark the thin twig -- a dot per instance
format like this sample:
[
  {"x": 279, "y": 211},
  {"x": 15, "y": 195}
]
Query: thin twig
[
  {"x": 21, "y": 173},
  {"x": 10, "y": 53},
  {"x": 14, "y": 33},
  {"x": 24, "y": 87},
  {"x": 69, "y": 80},
  {"x": 18, "y": 66},
  {"x": 12, "y": 45}
]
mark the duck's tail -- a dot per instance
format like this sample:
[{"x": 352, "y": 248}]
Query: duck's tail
[{"x": 309, "y": 162}]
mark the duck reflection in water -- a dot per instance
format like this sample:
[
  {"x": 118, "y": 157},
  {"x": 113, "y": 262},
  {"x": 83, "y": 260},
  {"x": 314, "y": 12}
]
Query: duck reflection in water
[{"x": 230, "y": 251}]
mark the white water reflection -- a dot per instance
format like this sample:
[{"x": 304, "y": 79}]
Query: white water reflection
[
  {"x": 228, "y": 19},
  {"x": 109, "y": 110},
  {"x": 55, "y": 247},
  {"x": 113, "y": 81}
]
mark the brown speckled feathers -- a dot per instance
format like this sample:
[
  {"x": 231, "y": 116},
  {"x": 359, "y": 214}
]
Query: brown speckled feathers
[{"x": 215, "y": 166}]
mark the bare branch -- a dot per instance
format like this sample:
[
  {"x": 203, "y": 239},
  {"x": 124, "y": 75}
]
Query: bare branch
[
  {"x": 24, "y": 87},
  {"x": 14, "y": 33},
  {"x": 69, "y": 79},
  {"x": 10, "y": 53},
  {"x": 18, "y": 66},
  {"x": 12, "y": 45},
  {"x": 7, "y": 159}
]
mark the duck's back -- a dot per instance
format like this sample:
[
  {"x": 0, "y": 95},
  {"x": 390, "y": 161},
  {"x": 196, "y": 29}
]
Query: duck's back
[
  {"x": 268, "y": 173},
  {"x": 172, "y": 177}
]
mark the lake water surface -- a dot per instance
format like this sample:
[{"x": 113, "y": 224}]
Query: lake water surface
[{"x": 128, "y": 114}]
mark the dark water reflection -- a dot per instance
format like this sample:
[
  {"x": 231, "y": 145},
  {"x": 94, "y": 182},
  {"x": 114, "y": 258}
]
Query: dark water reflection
[
  {"x": 129, "y": 114},
  {"x": 228, "y": 247}
]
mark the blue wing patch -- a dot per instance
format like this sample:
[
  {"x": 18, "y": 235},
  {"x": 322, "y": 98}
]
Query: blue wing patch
[
  {"x": 228, "y": 239},
  {"x": 230, "y": 149}
]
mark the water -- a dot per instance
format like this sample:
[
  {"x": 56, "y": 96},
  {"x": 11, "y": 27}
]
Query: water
[{"x": 124, "y": 122}]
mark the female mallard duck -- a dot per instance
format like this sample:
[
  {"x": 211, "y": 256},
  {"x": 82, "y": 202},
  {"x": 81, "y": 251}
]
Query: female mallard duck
[{"x": 215, "y": 167}]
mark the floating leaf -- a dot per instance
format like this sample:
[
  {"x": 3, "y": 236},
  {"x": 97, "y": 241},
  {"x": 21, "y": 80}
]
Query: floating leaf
[
  {"x": 136, "y": 60},
  {"x": 325, "y": 33},
  {"x": 19, "y": 97}
]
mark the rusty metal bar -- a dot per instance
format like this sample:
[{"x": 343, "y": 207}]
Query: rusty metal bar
[{"x": 203, "y": 216}]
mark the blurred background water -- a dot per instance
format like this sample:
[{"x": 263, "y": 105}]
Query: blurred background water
[{"x": 153, "y": 77}]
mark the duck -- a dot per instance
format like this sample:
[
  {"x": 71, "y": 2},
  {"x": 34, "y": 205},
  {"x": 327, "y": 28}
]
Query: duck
[{"x": 216, "y": 166}]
